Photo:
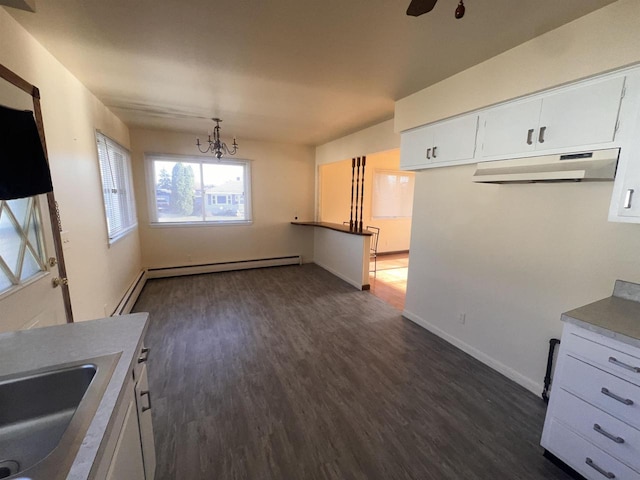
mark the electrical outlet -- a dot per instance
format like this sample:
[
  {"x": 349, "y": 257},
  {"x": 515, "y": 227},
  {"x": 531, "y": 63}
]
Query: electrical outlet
[{"x": 462, "y": 318}]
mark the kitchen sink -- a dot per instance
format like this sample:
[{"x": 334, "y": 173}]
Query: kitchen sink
[{"x": 44, "y": 416}]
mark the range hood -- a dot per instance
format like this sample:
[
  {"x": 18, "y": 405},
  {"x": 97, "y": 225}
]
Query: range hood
[{"x": 597, "y": 165}]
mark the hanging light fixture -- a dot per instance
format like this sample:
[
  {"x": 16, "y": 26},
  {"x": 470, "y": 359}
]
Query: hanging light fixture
[{"x": 217, "y": 146}]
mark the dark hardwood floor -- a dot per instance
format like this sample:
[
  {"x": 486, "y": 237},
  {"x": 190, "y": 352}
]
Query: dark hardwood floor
[{"x": 290, "y": 373}]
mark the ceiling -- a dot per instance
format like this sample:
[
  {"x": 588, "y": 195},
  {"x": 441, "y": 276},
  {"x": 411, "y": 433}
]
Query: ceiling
[{"x": 298, "y": 71}]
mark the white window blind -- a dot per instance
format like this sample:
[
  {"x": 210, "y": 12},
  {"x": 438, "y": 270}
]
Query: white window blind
[
  {"x": 392, "y": 194},
  {"x": 117, "y": 187}
]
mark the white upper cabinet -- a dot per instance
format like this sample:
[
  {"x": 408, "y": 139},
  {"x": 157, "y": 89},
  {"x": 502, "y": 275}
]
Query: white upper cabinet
[
  {"x": 455, "y": 139},
  {"x": 439, "y": 144},
  {"x": 584, "y": 115},
  {"x": 511, "y": 128},
  {"x": 413, "y": 148},
  {"x": 572, "y": 117}
]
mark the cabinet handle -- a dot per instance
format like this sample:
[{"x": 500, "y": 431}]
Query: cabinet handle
[
  {"x": 627, "y": 198},
  {"x": 434, "y": 152},
  {"x": 599, "y": 429},
  {"x": 428, "y": 153},
  {"x": 145, "y": 352},
  {"x": 626, "y": 401},
  {"x": 148, "y": 394},
  {"x": 606, "y": 474},
  {"x": 530, "y": 137},
  {"x": 617, "y": 362},
  {"x": 541, "y": 134}
]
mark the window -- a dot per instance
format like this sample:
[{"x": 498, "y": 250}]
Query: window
[
  {"x": 21, "y": 243},
  {"x": 392, "y": 194},
  {"x": 117, "y": 187},
  {"x": 198, "y": 190}
]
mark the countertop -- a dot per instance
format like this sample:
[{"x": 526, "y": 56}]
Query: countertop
[
  {"x": 616, "y": 317},
  {"x": 28, "y": 350},
  {"x": 334, "y": 226}
]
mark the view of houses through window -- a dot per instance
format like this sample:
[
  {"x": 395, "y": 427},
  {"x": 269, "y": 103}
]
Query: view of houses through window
[{"x": 192, "y": 190}]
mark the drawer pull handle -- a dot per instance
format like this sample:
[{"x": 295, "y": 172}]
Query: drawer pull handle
[
  {"x": 617, "y": 362},
  {"x": 599, "y": 429},
  {"x": 148, "y": 394},
  {"x": 145, "y": 352},
  {"x": 606, "y": 474},
  {"x": 626, "y": 401}
]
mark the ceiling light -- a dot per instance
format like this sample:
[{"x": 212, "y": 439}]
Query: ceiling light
[{"x": 217, "y": 146}]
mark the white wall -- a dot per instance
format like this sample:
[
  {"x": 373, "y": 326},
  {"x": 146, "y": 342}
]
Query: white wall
[
  {"x": 282, "y": 188},
  {"x": 343, "y": 254},
  {"x": 98, "y": 275},
  {"x": 514, "y": 257},
  {"x": 377, "y": 138}
]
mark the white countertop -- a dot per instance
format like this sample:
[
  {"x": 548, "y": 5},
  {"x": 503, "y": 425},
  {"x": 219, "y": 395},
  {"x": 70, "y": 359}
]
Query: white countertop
[
  {"x": 616, "y": 317},
  {"x": 28, "y": 350}
]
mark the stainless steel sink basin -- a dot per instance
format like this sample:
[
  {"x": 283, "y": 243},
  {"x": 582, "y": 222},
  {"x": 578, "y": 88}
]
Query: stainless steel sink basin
[{"x": 44, "y": 416}]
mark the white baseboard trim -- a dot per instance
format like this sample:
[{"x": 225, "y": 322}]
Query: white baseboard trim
[
  {"x": 341, "y": 276},
  {"x": 131, "y": 295},
  {"x": 164, "y": 272},
  {"x": 500, "y": 367}
]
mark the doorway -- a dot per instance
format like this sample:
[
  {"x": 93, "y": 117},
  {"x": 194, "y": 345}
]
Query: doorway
[{"x": 387, "y": 205}]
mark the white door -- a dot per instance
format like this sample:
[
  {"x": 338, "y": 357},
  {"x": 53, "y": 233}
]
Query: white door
[
  {"x": 511, "y": 129},
  {"x": 415, "y": 148},
  {"x": 580, "y": 116},
  {"x": 27, "y": 296},
  {"x": 455, "y": 140}
]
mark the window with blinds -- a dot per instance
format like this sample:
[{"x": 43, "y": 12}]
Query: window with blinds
[
  {"x": 117, "y": 187},
  {"x": 392, "y": 194}
]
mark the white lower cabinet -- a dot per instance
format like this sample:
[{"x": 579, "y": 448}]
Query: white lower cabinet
[
  {"x": 143, "y": 402},
  {"x": 129, "y": 450},
  {"x": 127, "y": 463},
  {"x": 593, "y": 419}
]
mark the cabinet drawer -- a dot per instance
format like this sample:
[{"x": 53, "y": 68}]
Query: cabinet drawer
[
  {"x": 575, "y": 451},
  {"x": 605, "y": 353},
  {"x": 598, "y": 427},
  {"x": 598, "y": 388}
]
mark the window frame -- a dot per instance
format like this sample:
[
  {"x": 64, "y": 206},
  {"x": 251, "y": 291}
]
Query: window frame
[
  {"x": 150, "y": 157},
  {"x": 113, "y": 235}
]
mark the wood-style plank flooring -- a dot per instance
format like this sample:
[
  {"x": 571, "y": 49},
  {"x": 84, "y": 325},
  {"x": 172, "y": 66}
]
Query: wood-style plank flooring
[
  {"x": 390, "y": 281},
  {"x": 290, "y": 373}
]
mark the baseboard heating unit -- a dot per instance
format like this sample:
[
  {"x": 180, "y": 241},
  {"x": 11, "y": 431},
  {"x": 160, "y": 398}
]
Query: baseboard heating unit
[{"x": 177, "y": 271}]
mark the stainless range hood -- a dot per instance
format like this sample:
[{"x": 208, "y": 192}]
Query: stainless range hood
[{"x": 597, "y": 165}]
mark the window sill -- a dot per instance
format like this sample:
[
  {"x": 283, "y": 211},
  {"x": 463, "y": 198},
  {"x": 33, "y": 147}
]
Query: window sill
[
  {"x": 122, "y": 235},
  {"x": 237, "y": 223}
]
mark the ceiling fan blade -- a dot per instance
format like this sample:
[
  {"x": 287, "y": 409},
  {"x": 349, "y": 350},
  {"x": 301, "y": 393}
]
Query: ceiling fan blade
[{"x": 419, "y": 7}]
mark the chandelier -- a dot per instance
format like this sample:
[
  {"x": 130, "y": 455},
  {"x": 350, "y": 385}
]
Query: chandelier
[{"x": 217, "y": 146}]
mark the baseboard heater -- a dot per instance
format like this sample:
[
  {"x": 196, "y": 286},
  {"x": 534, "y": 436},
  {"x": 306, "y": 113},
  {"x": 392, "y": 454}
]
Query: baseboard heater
[
  {"x": 131, "y": 295},
  {"x": 177, "y": 271}
]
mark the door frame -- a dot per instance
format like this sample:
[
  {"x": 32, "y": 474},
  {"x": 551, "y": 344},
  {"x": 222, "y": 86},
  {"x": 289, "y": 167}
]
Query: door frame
[{"x": 54, "y": 214}]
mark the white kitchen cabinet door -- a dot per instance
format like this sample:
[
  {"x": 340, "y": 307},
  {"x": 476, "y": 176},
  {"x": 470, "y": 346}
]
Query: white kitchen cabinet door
[
  {"x": 584, "y": 115},
  {"x": 455, "y": 140},
  {"x": 126, "y": 463},
  {"x": 143, "y": 401},
  {"x": 511, "y": 129},
  {"x": 413, "y": 148}
]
